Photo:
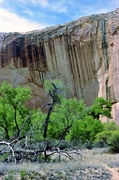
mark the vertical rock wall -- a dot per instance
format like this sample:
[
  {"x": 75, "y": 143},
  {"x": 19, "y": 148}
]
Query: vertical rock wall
[{"x": 84, "y": 53}]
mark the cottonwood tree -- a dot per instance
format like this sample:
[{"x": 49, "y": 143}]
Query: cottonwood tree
[
  {"x": 73, "y": 120},
  {"x": 15, "y": 120},
  {"x": 13, "y": 112},
  {"x": 64, "y": 116},
  {"x": 100, "y": 107}
]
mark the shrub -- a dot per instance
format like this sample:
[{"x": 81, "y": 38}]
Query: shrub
[
  {"x": 22, "y": 174},
  {"x": 10, "y": 176},
  {"x": 110, "y": 136},
  {"x": 85, "y": 130}
]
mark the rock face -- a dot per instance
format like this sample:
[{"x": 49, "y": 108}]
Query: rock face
[{"x": 84, "y": 53}]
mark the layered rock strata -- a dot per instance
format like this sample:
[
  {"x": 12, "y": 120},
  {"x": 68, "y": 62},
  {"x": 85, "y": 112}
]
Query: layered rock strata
[{"x": 84, "y": 53}]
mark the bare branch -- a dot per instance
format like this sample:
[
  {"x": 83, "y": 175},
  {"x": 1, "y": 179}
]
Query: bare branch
[
  {"x": 47, "y": 104},
  {"x": 10, "y": 147}
]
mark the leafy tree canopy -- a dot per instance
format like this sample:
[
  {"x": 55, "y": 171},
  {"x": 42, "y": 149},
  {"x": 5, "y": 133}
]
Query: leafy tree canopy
[
  {"x": 13, "y": 111},
  {"x": 100, "y": 107},
  {"x": 55, "y": 89},
  {"x": 67, "y": 118},
  {"x": 64, "y": 115}
]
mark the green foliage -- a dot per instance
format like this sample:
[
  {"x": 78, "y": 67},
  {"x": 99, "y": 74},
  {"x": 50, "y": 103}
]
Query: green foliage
[
  {"x": 64, "y": 115},
  {"x": 114, "y": 141},
  {"x": 36, "y": 128},
  {"x": 85, "y": 129},
  {"x": 66, "y": 119},
  {"x": 23, "y": 174},
  {"x": 56, "y": 90},
  {"x": 14, "y": 96},
  {"x": 13, "y": 111},
  {"x": 110, "y": 136},
  {"x": 100, "y": 107},
  {"x": 61, "y": 88},
  {"x": 10, "y": 176},
  {"x": 3, "y": 157},
  {"x": 71, "y": 120},
  {"x": 111, "y": 126}
]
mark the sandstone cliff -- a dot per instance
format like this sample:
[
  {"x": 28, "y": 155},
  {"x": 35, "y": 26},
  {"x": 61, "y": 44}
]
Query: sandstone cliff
[{"x": 84, "y": 53}]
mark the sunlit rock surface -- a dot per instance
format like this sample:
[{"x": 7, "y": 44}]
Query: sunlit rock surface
[{"x": 84, "y": 53}]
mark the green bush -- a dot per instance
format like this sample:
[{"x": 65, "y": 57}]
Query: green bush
[
  {"x": 22, "y": 174},
  {"x": 10, "y": 176},
  {"x": 85, "y": 130},
  {"x": 114, "y": 141},
  {"x": 110, "y": 136}
]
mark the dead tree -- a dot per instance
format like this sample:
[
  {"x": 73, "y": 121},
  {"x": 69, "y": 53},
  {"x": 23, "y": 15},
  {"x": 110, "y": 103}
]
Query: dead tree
[{"x": 55, "y": 98}]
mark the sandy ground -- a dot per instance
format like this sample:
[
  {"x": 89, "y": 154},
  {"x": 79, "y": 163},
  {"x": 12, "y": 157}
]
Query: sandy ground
[{"x": 102, "y": 158}]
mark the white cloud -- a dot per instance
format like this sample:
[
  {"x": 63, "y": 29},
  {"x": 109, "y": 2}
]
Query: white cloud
[
  {"x": 43, "y": 3},
  {"x": 58, "y": 6},
  {"x": 29, "y": 12},
  {"x": 10, "y": 22}
]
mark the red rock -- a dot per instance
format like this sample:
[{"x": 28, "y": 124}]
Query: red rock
[{"x": 84, "y": 53}]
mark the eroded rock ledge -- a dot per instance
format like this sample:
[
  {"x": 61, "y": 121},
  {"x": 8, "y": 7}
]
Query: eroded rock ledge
[{"x": 84, "y": 53}]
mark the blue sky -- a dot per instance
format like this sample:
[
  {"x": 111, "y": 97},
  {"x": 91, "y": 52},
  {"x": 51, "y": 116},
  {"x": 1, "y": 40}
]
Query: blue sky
[{"x": 27, "y": 15}]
